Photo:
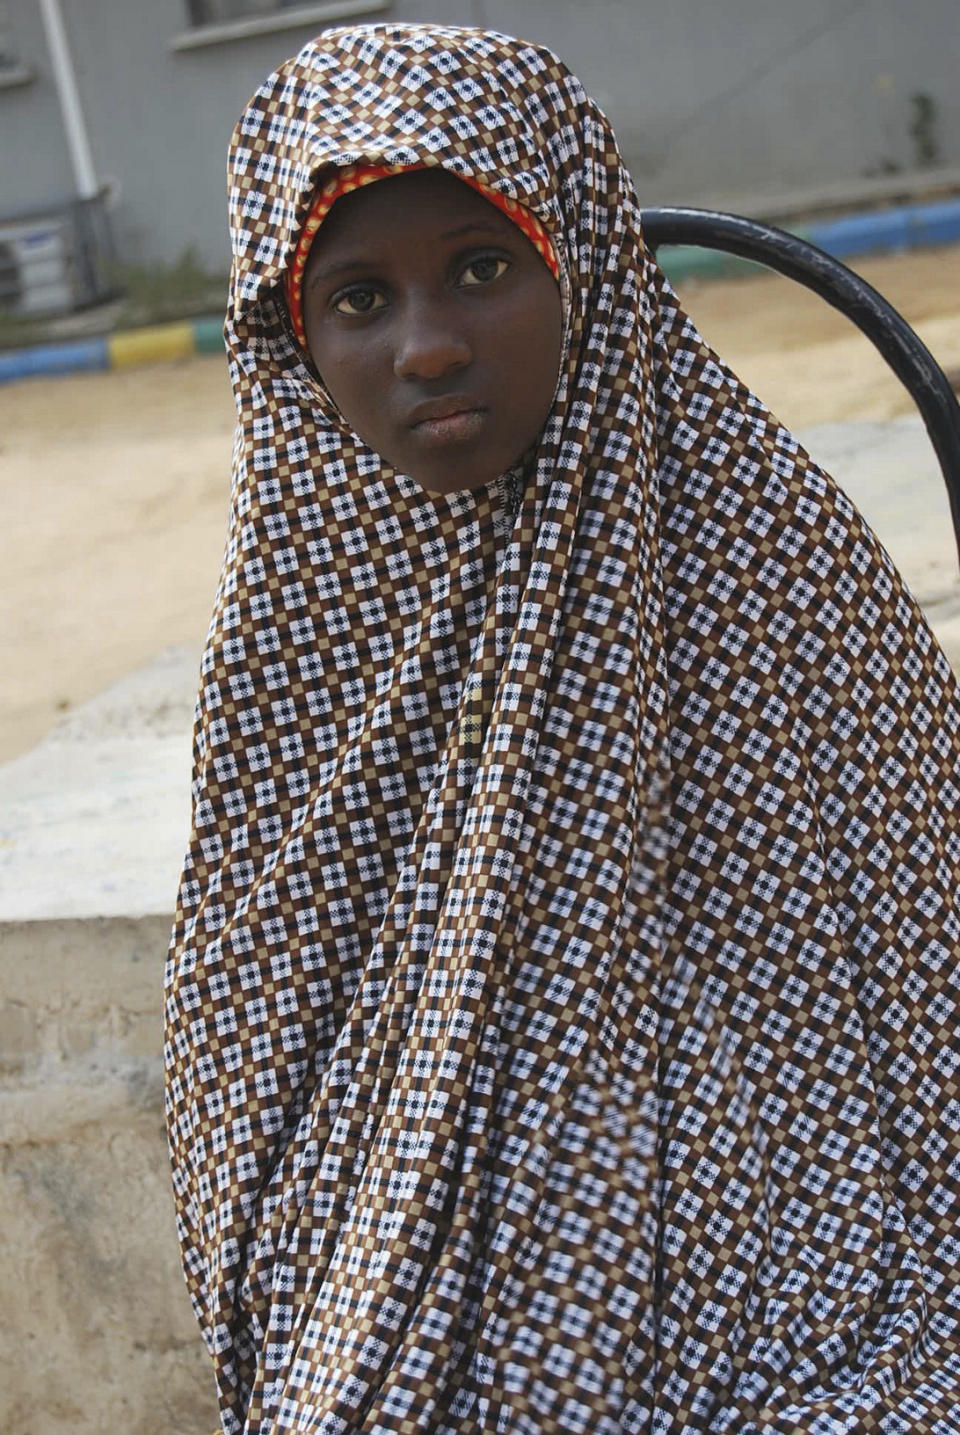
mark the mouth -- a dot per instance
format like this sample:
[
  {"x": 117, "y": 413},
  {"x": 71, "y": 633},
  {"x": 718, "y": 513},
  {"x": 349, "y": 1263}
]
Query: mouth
[{"x": 452, "y": 419}]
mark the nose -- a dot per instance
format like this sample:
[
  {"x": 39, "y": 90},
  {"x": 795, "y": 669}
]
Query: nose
[{"x": 430, "y": 343}]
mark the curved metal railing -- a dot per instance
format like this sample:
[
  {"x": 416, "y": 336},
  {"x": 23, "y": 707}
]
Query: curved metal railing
[{"x": 887, "y": 330}]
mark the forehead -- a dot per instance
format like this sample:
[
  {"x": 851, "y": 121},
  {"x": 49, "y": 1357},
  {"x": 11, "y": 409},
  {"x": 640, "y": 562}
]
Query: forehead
[{"x": 424, "y": 205}]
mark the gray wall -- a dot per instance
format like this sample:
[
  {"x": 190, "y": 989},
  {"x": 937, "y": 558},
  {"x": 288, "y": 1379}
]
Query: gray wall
[{"x": 711, "y": 99}]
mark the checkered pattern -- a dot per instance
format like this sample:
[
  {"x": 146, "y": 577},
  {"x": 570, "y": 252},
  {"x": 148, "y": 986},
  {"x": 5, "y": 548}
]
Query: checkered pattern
[{"x": 562, "y": 1004}]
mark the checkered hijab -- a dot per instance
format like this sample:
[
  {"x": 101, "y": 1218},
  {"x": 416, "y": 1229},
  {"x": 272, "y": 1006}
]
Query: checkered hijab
[{"x": 562, "y": 1005}]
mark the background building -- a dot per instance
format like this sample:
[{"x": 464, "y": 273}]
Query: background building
[{"x": 761, "y": 105}]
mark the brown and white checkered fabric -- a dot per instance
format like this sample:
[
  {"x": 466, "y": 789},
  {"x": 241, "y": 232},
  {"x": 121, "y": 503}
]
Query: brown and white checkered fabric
[{"x": 562, "y": 1005}]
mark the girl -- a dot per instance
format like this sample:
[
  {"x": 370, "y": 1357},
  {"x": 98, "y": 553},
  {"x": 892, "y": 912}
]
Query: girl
[{"x": 562, "y": 1005}]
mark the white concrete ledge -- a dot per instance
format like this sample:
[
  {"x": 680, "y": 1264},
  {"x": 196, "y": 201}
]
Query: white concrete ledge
[
  {"x": 223, "y": 31},
  {"x": 94, "y": 821}
]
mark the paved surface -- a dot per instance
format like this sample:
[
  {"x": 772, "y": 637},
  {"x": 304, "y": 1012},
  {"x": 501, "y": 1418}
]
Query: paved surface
[{"x": 93, "y": 821}]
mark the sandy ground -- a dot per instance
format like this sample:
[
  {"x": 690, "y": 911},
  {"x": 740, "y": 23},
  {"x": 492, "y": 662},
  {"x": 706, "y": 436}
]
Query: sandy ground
[{"x": 114, "y": 486}]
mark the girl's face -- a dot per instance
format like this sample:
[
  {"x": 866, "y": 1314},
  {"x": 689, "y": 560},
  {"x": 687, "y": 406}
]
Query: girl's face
[{"x": 435, "y": 326}]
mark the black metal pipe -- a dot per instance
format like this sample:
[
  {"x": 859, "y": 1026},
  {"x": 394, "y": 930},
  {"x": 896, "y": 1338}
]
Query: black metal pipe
[{"x": 887, "y": 330}]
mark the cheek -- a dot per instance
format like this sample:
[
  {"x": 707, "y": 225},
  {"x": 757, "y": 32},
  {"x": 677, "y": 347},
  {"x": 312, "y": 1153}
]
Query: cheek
[
  {"x": 346, "y": 371},
  {"x": 535, "y": 354}
]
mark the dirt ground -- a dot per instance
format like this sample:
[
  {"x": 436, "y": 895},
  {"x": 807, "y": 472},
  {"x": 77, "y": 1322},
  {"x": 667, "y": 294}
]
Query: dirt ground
[{"x": 115, "y": 485}]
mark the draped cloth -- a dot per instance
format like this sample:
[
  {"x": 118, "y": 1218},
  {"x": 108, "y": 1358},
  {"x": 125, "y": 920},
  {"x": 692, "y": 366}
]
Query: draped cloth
[{"x": 562, "y": 1002}]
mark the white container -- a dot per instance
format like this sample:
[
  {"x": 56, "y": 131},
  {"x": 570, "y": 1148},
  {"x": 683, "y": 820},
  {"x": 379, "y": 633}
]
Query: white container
[{"x": 35, "y": 267}]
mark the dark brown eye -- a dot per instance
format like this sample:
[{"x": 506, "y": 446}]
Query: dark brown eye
[
  {"x": 363, "y": 299},
  {"x": 484, "y": 270}
]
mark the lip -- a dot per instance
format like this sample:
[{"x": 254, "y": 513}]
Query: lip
[
  {"x": 448, "y": 420},
  {"x": 434, "y": 410}
]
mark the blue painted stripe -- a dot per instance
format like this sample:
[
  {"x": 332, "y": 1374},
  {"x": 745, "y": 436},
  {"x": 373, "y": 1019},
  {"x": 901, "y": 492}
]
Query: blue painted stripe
[
  {"x": 80, "y": 355},
  {"x": 681, "y": 262},
  {"x": 208, "y": 336},
  {"x": 888, "y": 229},
  {"x": 880, "y": 232}
]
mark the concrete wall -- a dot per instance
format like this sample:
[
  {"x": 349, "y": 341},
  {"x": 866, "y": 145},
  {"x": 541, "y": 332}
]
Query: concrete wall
[
  {"x": 739, "y": 99},
  {"x": 98, "y": 1331}
]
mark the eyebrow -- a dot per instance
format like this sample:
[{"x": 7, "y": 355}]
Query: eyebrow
[{"x": 347, "y": 266}]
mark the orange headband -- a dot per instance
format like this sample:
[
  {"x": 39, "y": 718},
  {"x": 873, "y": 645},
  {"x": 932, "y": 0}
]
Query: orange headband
[{"x": 353, "y": 177}]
